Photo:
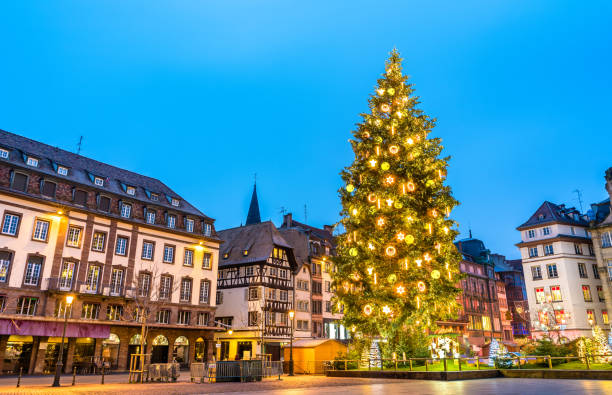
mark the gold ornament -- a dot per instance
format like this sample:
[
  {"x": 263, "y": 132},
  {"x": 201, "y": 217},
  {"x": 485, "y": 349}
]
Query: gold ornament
[
  {"x": 435, "y": 274},
  {"x": 390, "y": 251},
  {"x": 372, "y": 198},
  {"x": 409, "y": 239},
  {"x": 353, "y": 251},
  {"x": 421, "y": 286},
  {"x": 385, "y": 166},
  {"x": 366, "y": 135},
  {"x": 385, "y": 108},
  {"x": 429, "y": 183},
  {"x": 378, "y": 122},
  {"x": 391, "y": 91},
  {"x": 398, "y": 204},
  {"x": 394, "y": 149},
  {"x": 350, "y": 188},
  {"x": 367, "y": 309}
]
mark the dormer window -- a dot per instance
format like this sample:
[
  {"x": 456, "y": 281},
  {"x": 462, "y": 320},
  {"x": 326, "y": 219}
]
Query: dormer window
[
  {"x": 207, "y": 229},
  {"x": 99, "y": 181},
  {"x": 4, "y": 154},
  {"x": 154, "y": 197},
  {"x": 245, "y": 252},
  {"x": 175, "y": 202},
  {"x": 31, "y": 161},
  {"x": 226, "y": 255},
  {"x": 189, "y": 223},
  {"x": 62, "y": 171},
  {"x": 130, "y": 191}
]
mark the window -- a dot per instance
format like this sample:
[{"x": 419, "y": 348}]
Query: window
[
  {"x": 316, "y": 287},
  {"x": 116, "y": 284},
  {"x": 302, "y": 305},
  {"x": 114, "y": 312},
  {"x": 540, "y": 295},
  {"x": 316, "y": 307},
  {"x": 10, "y": 225},
  {"x": 147, "y": 250},
  {"x": 207, "y": 260},
  {"x": 595, "y": 271},
  {"x": 20, "y": 182},
  {"x": 172, "y": 221},
  {"x": 62, "y": 309},
  {"x": 189, "y": 224},
  {"x": 98, "y": 241},
  {"x": 121, "y": 247},
  {"x": 327, "y": 306},
  {"x": 188, "y": 258},
  {"x": 90, "y": 311},
  {"x": 577, "y": 249},
  {"x": 536, "y": 272},
  {"x": 99, "y": 181},
  {"x": 93, "y": 278},
  {"x": 606, "y": 239},
  {"x": 253, "y": 293},
  {"x": 41, "y": 230},
  {"x": 5, "y": 265},
  {"x": 560, "y": 317},
  {"x": 327, "y": 286},
  {"x": 486, "y": 323},
  {"x": 62, "y": 171},
  {"x": 32, "y": 161},
  {"x": 126, "y": 210},
  {"x": 26, "y": 305},
  {"x": 66, "y": 275},
  {"x": 203, "y": 318},
  {"x": 586, "y": 293},
  {"x": 303, "y": 285},
  {"x": 186, "y": 290},
  {"x": 48, "y": 189},
  {"x": 591, "y": 251},
  {"x": 546, "y": 230},
  {"x": 555, "y": 293},
  {"x": 600, "y": 293},
  {"x": 533, "y": 252},
  {"x": 609, "y": 270},
  {"x": 204, "y": 291},
  {"x": 591, "y": 316},
  {"x": 4, "y": 154},
  {"x": 168, "y": 254},
  {"x": 165, "y": 287},
  {"x": 184, "y": 317},
  {"x": 154, "y": 197},
  {"x": 130, "y": 191},
  {"x": 531, "y": 233},
  {"x": 104, "y": 204},
  {"x": 283, "y": 295},
  {"x": 582, "y": 270},
  {"x": 207, "y": 229},
  {"x": 73, "y": 238},
  {"x": 150, "y": 216},
  {"x": 163, "y": 317},
  {"x": 144, "y": 285},
  {"x": 219, "y": 298},
  {"x": 253, "y": 318},
  {"x": 548, "y": 249},
  {"x": 552, "y": 270},
  {"x": 282, "y": 273},
  {"x": 33, "y": 271},
  {"x": 604, "y": 316},
  {"x": 302, "y": 325},
  {"x": 80, "y": 197}
]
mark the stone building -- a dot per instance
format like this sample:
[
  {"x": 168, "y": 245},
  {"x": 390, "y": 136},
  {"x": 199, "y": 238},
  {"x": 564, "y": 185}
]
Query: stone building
[
  {"x": 511, "y": 273},
  {"x": 113, "y": 239},
  {"x": 563, "y": 283}
]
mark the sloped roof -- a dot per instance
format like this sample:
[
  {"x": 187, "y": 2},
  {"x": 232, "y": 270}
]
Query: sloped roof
[
  {"x": 307, "y": 343},
  {"x": 600, "y": 213},
  {"x": 259, "y": 239},
  {"x": 552, "y": 213},
  {"x": 83, "y": 169},
  {"x": 299, "y": 241}
]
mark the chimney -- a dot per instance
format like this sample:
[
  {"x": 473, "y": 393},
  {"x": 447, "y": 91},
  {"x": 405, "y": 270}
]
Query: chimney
[
  {"x": 288, "y": 220},
  {"x": 328, "y": 228},
  {"x": 609, "y": 182}
]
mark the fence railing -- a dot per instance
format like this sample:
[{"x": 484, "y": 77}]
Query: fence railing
[
  {"x": 588, "y": 362},
  {"x": 245, "y": 370}
]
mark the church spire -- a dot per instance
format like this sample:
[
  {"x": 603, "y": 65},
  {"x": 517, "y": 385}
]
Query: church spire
[{"x": 253, "y": 215}]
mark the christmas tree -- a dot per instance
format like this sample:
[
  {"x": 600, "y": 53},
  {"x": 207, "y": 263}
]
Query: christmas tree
[
  {"x": 397, "y": 266},
  {"x": 600, "y": 343}
]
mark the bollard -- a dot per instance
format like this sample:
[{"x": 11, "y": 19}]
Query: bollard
[
  {"x": 477, "y": 363},
  {"x": 410, "y": 362},
  {"x": 345, "y": 365},
  {"x": 426, "y": 365},
  {"x": 459, "y": 361},
  {"x": 444, "y": 362},
  {"x": 73, "y": 375},
  {"x": 549, "y": 362},
  {"x": 102, "y": 374},
  {"x": 19, "y": 378}
]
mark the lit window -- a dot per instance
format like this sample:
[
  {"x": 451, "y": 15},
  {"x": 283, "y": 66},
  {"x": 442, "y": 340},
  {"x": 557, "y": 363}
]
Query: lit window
[
  {"x": 5, "y": 264},
  {"x": 62, "y": 171},
  {"x": 114, "y": 312},
  {"x": 245, "y": 252},
  {"x": 591, "y": 316},
  {"x": 116, "y": 284},
  {"x": 154, "y": 197},
  {"x": 165, "y": 287},
  {"x": 99, "y": 181},
  {"x": 555, "y": 293},
  {"x": 90, "y": 311},
  {"x": 175, "y": 202},
  {"x": 4, "y": 154},
  {"x": 26, "y": 305},
  {"x": 41, "y": 230},
  {"x": 32, "y": 161},
  {"x": 600, "y": 293},
  {"x": 189, "y": 225},
  {"x": 540, "y": 295},
  {"x": 74, "y": 237},
  {"x": 126, "y": 210},
  {"x": 33, "y": 269},
  {"x": 560, "y": 317},
  {"x": 93, "y": 277},
  {"x": 586, "y": 293},
  {"x": 130, "y": 190},
  {"x": 185, "y": 290},
  {"x": 604, "y": 316},
  {"x": 144, "y": 284},
  {"x": 207, "y": 261},
  {"x": 204, "y": 291},
  {"x": 97, "y": 244}
]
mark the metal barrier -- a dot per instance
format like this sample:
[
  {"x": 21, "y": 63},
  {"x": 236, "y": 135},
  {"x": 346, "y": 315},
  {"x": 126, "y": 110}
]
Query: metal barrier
[{"x": 163, "y": 371}]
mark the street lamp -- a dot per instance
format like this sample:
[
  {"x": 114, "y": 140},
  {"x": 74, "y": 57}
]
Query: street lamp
[
  {"x": 60, "y": 364},
  {"x": 291, "y": 315}
]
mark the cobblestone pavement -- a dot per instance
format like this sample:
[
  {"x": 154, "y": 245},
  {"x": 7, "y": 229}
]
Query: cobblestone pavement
[{"x": 314, "y": 385}]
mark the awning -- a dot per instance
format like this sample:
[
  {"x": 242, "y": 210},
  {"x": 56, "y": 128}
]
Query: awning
[{"x": 51, "y": 328}]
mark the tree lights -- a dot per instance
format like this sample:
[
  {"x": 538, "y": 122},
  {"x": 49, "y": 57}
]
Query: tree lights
[{"x": 396, "y": 201}]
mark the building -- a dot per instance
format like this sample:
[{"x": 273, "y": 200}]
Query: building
[
  {"x": 314, "y": 248},
  {"x": 601, "y": 232},
  {"x": 564, "y": 289},
  {"x": 511, "y": 273},
  {"x": 127, "y": 247},
  {"x": 256, "y": 279}
]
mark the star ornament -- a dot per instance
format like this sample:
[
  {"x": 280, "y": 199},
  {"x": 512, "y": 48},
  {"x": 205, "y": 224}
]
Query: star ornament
[
  {"x": 386, "y": 309},
  {"x": 373, "y": 162},
  {"x": 380, "y": 221},
  {"x": 370, "y": 246},
  {"x": 389, "y": 202},
  {"x": 400, "y": 290},
  {"x": 401, "y": 236},
  {"x": 389, "y": 180}
]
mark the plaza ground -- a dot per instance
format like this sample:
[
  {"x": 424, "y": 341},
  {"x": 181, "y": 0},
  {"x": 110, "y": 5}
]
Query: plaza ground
[{"x": 315, "y": 385}]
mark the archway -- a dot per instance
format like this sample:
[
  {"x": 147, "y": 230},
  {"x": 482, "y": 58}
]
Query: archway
[
  {"x": 110, "y": 350},
  {"x": 134, "y": 347},
  {"x": 201, "y": 350},
  {"x": 180, "y": 352},
  {"x": 159, "y": 352}
]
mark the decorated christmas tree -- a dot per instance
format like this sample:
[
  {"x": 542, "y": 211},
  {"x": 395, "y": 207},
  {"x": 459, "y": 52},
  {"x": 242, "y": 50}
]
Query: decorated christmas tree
[
  {"x": 397, "y": 266},
  {"x": 600, "y": 345}
]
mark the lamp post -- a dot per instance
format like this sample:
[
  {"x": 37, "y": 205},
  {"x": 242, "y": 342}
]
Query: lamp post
[
  {"x": 291, "y": 315},
  {"x": 59, "y": 365}
]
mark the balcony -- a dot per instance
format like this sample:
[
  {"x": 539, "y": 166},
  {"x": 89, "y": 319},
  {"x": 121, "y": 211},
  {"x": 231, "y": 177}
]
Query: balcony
[
  {"x": 57, "y": 284},
  {"x": 279, "y": 331},
  {"x": 278, "y": 306}
]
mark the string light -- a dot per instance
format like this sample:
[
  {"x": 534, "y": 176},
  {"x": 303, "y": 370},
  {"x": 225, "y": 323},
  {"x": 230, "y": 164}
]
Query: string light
[
  {"x": 389, "y": 180},
  {"x": 400, "y": 290},
  {"x": 380, "y": 221},
  {"x": 394, "y": 149},
  {"x": 401, "y": 236},
  {"x": 446, "y": 230},
  {"x": 371, "y": 198},
  {"x": 367, "y": 309},
  {"x": 386, "y": 309},
  {"x": 373, "y": 162},
  {"x": 377, "y": 150},
  {"x": 389, "y": 202},
  {"x": 418, "y": 300},
  {"x": 421, "y": 286},
  {"x": 390, "y": 251}
]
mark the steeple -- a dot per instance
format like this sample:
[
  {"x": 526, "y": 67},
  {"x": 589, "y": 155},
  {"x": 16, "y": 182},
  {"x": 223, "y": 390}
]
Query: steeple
[{"x": 253, "y": 215}]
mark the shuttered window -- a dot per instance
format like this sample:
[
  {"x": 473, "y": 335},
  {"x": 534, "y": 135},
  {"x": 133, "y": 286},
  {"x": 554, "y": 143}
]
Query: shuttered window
[{"x": 20, "y": 182}]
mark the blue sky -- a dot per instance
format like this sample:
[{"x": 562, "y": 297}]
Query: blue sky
[{"x": 204, "y": 94}]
